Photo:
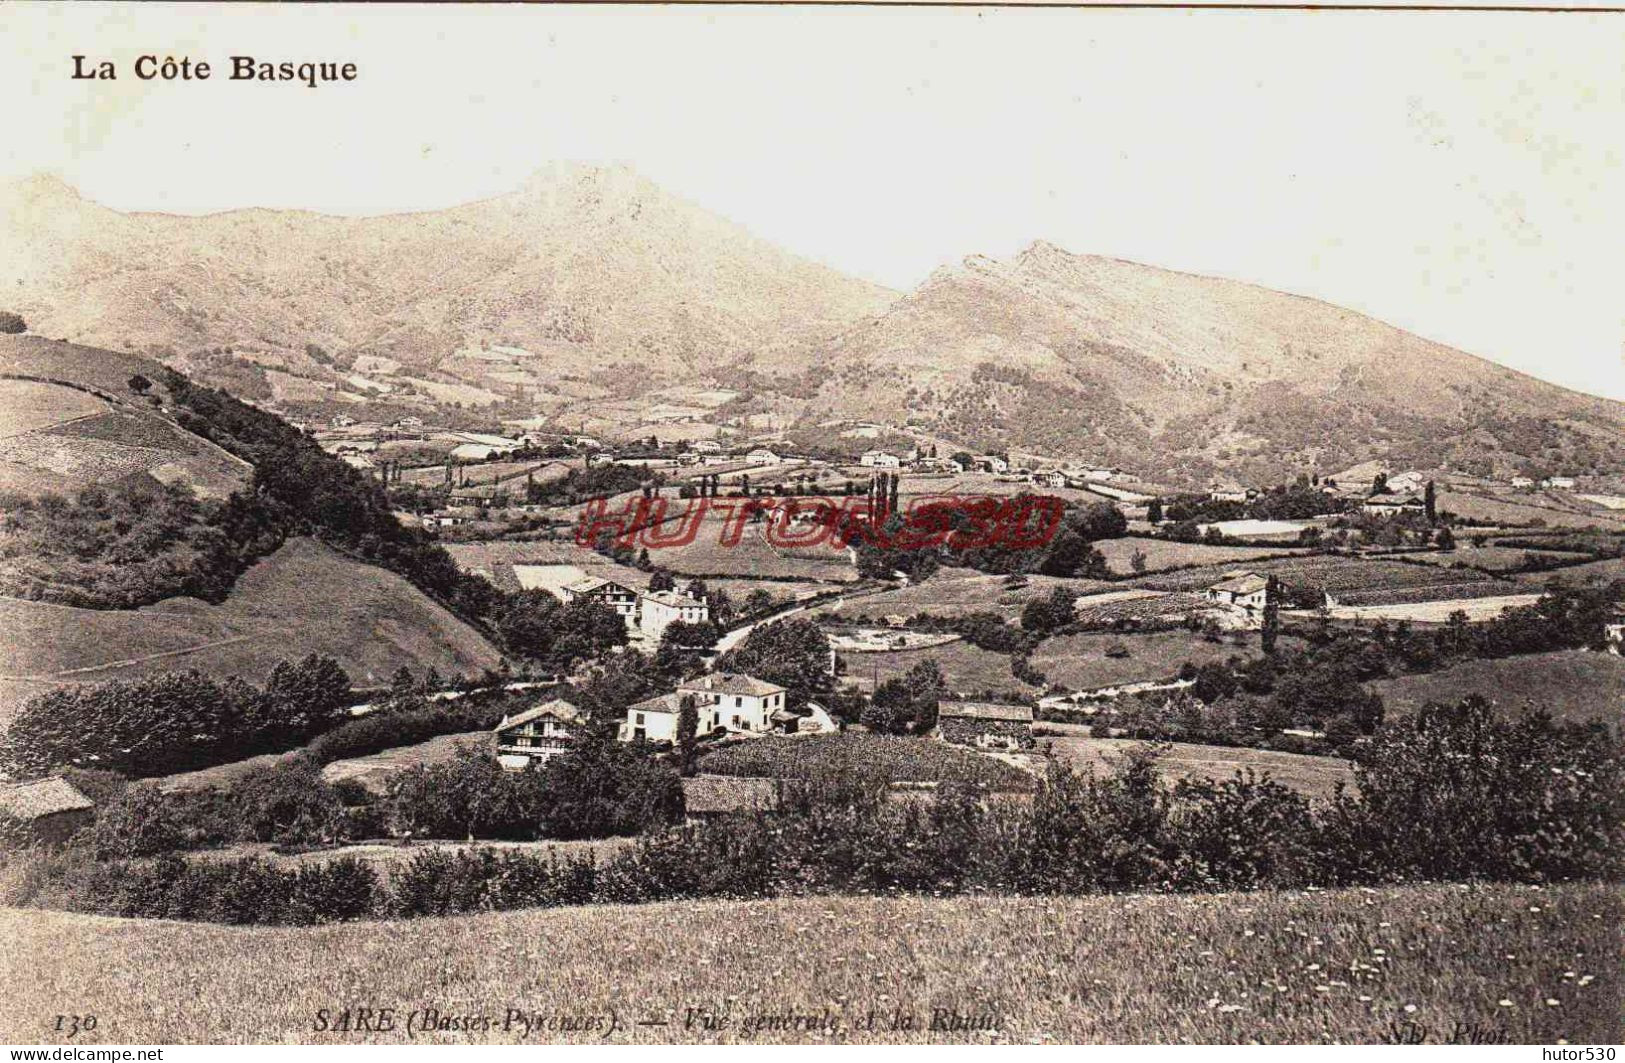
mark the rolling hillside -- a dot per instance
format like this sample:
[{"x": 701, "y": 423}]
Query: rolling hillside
[
  {"x": 304, "y": 598},
  {"x": 69, "y": 419},
  {"x": 579, "y": 269},
  {"x": 1179, "y": 376}
]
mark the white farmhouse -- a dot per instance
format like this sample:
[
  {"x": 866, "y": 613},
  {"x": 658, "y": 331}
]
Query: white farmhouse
[
  {"x": 725, "y": 700},
  {"x": 657, "y": 610},
  {"x": 879, "y": 459}
]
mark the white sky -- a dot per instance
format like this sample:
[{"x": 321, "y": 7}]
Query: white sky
[{"x": 1460, "y": 175}]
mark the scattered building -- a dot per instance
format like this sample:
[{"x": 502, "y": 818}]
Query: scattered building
[
  {"x": 985, "y": 724},
  {"x": 706, "y": 446},
  {"x": 992, "y": 463},
  {"x": 1051, "y": 478},
  {"x": 48, "y": 810},
  {"x": 537, "y": 734},
  {"x": 1563, "y": 483},
  {"x": 1522, "y": 482},
  {"x": 1228, "y": 492},
  {"x": 1614, "y": 633},
  {"x": 763, "y": 456},
  {"x": 879, "y": 459}
]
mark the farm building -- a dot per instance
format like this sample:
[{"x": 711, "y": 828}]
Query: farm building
[
  {"x": 706, "y": 446},
  {"x": 992, "y": 463},
  {"x": 1564, "y": 483},
  {"x": 705, "y": 796},
  {"x": 1243, "y": 594},
  {"x": 987, "y": 724},
  {"x": 1229, "y": 491},
  {"x": 1388, "y": 505},
  {"x": 879, "y": 459},
  {"x": 763, "y": 456},
  {"x": 537, "y": 734},
  {"x": 1614, "y": 634},
  {"x": 1050, "y": 478},
  {"x": 657, "y": 611},
  {"x": 49, "y": 810}
]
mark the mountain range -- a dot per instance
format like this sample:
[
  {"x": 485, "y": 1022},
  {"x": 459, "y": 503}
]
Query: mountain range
[{"x": 560, "y": 287}]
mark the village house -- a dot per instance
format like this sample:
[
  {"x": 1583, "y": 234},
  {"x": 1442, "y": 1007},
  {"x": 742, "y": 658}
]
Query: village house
[
  {"x": 1050, "y": 478},
  {"x": 537, "y": 734},
  {"x": 726, "y": 700},
  {"x": 47, "y": 810},
  {"x": 1564, "y": 483},
  {"x": 763, "y": 456},
  {"x": 1243, "y": 595},
  {"x": 657, "y": 611},
  {"x": 985, "y": 724},
  {"x": 1228, "y": 491},
  {"x": 624, "y": 600},
  {"x": 879, "y": 459},
  {"x": 992, "y": 463},
  {"x": 1522, "y": 482},
  {"x": 706, "y": 446}
]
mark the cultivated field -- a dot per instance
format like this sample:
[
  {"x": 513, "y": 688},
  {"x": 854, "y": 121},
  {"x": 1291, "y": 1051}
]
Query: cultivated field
[
  {"x": 1521, "y": 964},
  {"x": 865, "y": 757},
  {"x": 1590, "y": 573},
  {"x": 1314, "y": 777},
  {"x": 1493, "y": 558},
  {"x": 968, "y": 669},
  {"x": 1163, "y": 554},
  {"x": 1571, "y": 684},
  {"x": 1080, "y": 662},
  {"x": 305, "y": 598}
]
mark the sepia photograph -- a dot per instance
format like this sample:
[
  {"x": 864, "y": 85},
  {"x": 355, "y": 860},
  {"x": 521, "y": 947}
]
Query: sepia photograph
[{"x": 811, "y": 524}]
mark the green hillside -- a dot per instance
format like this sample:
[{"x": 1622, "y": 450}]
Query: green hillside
[
  {"x": 1341, "y": 965},
  {"x": 304, "y": 598}
]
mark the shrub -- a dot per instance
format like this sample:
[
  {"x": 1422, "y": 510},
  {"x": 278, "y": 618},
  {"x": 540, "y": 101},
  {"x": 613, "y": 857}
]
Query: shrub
[{"x": 11, "y": 323}]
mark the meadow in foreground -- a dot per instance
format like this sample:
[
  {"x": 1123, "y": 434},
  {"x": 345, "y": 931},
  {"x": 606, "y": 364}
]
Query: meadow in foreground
[{"x": 1499, "y": 963}]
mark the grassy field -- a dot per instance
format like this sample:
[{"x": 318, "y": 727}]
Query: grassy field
[
  {"x": 1163, "y": 554},
  {"x": 1432, "y": 611},
  {"x": 1520, "y": 964},
  {"x": 1590, "y": 573},
  {"x": 1572, "y": 684},
  {"x": 374, "y": 771},
  {"x": 1492, "y": 558},
  {"x": 1525, "y": 509},
  {"x": 1080, "y": 661},
  {"x": 1314, "y": 777},
  {"x": 864, "y": 756},
  {"x": 968, "y": 669},
  {"x": 305, "y": 598}
]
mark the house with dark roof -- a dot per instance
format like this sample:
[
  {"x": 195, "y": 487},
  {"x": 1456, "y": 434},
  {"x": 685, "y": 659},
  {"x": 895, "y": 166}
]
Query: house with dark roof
[
  {"x": 47, "y": 810},
  {"x": 1242, "y": 596},
  {"x": 986, "y": 724},
  {"x": 1389, "y": 504},
  {"x": 622, "y": 599},
  {"x": 707, "y": 796},
  {"x": 538, "y": 734}
]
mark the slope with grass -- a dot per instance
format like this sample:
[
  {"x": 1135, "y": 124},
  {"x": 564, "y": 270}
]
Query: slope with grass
[
  {"x": 863, "y": 756},
  {"x": 1572, "y": 684},
  {"x": 1520, "y": 964},
  {"x": 304, "y": 598}
]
